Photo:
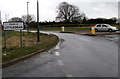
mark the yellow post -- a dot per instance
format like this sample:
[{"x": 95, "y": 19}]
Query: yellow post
[
  {"x": 63, "y": 29},
  {"x": 92, "y": 30}
]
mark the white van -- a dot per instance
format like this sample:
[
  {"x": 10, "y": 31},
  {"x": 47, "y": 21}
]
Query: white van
[{"x": 105, "y": 27}]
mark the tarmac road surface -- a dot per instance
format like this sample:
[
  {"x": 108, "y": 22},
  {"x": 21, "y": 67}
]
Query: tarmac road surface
[{"x": 74, "y": 56}]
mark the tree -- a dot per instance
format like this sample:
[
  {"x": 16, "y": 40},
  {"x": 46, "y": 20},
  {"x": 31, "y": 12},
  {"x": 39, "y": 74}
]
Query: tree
[
  {"x": 84, "y": 20},
  {"x": 114, "y": 20},
  {"x": 68, "y": 13},
  {"x": 118, "y": 21},
  {"x": 28, "y": 19},
  {"x": 15, "y": 19}
]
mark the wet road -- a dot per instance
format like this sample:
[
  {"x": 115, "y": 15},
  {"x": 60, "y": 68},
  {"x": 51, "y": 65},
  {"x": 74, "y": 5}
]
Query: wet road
[{"x": 75, "y": 56}]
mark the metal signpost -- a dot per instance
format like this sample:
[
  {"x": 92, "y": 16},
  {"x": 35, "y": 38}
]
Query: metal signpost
[
  {"x": 38, "y": 33},
  {"x": 27, "y": 18},
  {"x": 13, "y": 26},
  {"x": 4, "y": 39}
]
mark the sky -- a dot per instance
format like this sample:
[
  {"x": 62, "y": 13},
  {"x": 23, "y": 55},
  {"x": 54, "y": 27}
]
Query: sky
[{"x": 48, "y": 8}]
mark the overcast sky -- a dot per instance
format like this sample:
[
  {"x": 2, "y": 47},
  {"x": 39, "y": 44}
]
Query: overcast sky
[{"x": 47, "y": 8}]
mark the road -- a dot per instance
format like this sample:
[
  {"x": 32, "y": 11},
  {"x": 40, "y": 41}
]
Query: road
[{"x": 74, "y": 56}]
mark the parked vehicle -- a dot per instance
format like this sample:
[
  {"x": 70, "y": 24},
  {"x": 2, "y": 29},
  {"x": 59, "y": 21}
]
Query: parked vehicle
[{"x": 105, "y": 27}]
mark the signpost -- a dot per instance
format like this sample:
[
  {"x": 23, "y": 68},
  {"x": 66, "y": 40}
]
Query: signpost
[
  {"x": 13, "y": 26},
  {"x": 38, "y": 33}
]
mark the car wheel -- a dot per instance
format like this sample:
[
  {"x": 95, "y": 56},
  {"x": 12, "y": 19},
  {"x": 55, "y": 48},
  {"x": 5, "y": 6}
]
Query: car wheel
[
  {"x": 110, "y": 30},
  {"x": 115, "y": 30},
  {"x": 96, "y": 30}
]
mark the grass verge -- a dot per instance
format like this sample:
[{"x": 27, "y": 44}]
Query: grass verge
[
  {"x": 69, "y": 28},
  {"x": 14, "y": 51},
  {"x": 118, "y": 26},
  {"x": 66, "y": 28}
]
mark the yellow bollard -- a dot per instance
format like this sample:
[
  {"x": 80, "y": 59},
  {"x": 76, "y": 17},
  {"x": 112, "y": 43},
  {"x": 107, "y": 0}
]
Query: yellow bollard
[
  {"x": 93, "y": 30},
  {"x": 63, "y": 29}
]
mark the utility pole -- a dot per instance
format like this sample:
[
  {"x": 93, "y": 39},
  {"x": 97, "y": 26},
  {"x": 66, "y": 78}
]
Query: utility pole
[
  {"x": 0, "y": 21},
  {"x": 6, "y": 17},
  {"x": 0, "y": 15},
  {"x": 5, "y": 33},
  {"x": 38, "y": 33},
  {"x": 27, "y": 17}
]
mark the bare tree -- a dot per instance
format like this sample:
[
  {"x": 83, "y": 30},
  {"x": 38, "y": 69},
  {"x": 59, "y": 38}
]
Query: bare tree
[
  {"x": 15, "y": 19},
  {"x": 28, "y": 19},
  {"x": 68, "y": 12}
]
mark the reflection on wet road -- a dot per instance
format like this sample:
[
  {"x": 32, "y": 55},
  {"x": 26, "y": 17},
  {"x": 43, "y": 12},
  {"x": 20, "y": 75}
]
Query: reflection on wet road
[{"x": 74, "y": 56}]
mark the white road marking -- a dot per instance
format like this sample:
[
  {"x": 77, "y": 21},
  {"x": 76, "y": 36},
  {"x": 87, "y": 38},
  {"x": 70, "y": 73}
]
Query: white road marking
[
  {"x": 60, "y": 63},
  {"x": 57, "y": 47},
  {"x": 57, "y": 53},
  {"x": 69, "y": 75},
  {"x": 49, "y": 62},
  {"x": 4, "y": 54},
  {"x": 49, "y": 51}
]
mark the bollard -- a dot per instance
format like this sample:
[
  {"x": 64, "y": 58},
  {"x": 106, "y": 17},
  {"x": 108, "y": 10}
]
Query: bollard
[
  {"x": 93, "y": 30},
  {"x": 63, "y": 29}
]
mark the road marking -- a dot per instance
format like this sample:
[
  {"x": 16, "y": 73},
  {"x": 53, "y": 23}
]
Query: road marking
[
  {"x": 57, "y": 47},
  {"x": 49, "y": 51},
  {"x": 57, "y": 53},
  {"x": 69, "y": 75},
  {"x": 49, "y": 62},
  {"x": 60, "y": 63},
  {"x": 4, "y": 54}
]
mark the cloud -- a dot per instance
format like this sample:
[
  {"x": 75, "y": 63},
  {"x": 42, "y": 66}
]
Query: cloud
[
  {"x": 99, "y": 9},
  {"x": 47, "y": 8}
]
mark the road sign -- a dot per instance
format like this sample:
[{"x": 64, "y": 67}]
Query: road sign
[{"x": 13, "y": 25}]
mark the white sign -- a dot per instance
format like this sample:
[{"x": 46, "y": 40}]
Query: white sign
[{"x": 13, "y": 25}]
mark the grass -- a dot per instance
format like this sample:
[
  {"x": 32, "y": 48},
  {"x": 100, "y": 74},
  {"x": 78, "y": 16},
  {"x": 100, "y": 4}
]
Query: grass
[
  {"x": 0, "y": 45},
  {"x": 77, "y": 28},
  {"x": 118, "y": 26},
  {"x": 14, "y": 50},
  {"x": 85, "y": 28},
  {"x": 66, "y": 28}
]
